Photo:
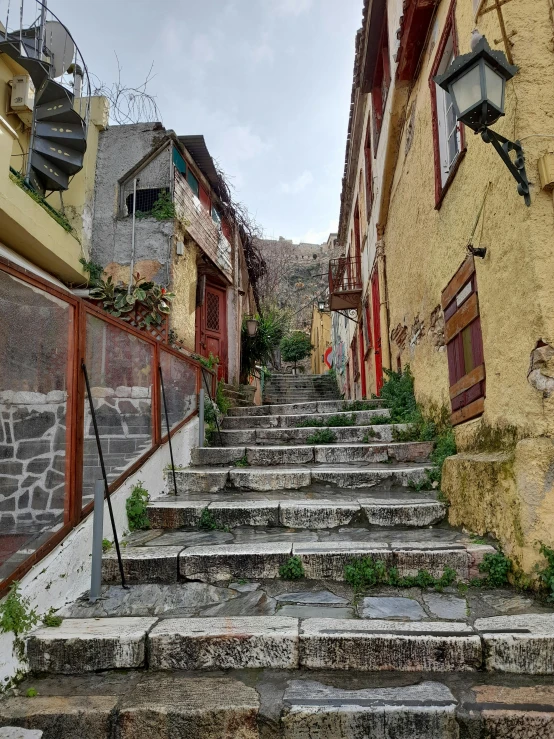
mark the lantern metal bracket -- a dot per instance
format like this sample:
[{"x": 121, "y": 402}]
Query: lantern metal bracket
[
  {"x": 517, "y": 168},
  {"x": 343, "y": 313},
  {"x": 497, "y": 5}
]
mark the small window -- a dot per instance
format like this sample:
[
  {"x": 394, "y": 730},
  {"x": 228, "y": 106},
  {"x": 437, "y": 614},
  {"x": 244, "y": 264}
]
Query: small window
[
  {"x": 450, "y": 142},
  {"x": 193, "y": 182},
  {"x": 368, "y": 172},
  {"x": 145, "y": 199},
  {"x": 204, "y": 196},
  {"x": 179, "y": 162},
  {"x": 216, "y": 217}
]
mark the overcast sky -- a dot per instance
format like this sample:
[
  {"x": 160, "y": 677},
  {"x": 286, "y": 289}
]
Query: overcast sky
[{"x": 267, "y": 82}]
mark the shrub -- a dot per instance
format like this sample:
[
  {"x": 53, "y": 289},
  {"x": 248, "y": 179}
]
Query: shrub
[
  {"x": 546, "y": 574},
  {"x": 366, "y": 572},
  {"x": 136, "y": 505},
  {"x": 339, "y": 420},
  {"x": 496, "y": 567},
  {"x": 258, "y": 350},
  {"x": 16, "y": 615},
  {"x": 295, "y": 347},
  {"x": 293, "y": 569},
  {"x": 323, "y": 436}
]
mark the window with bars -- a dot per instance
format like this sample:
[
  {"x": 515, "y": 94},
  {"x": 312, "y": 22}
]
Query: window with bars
[
  {"x": 145, "y": 200},
  {"x": 464, "y": 344}
]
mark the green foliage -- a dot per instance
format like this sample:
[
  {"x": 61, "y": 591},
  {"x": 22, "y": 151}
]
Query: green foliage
[
  {"x": 207, "y": 522},
  {"x": 311, "y": 423},
  {"x": 337, "y": 420},
  {"x": 31, "y": 693},
  {"x": 223, "y": 402},
  {"x": 398, "y": 394},
  {"x": 379, "y": 421},
  {"x": 546, "y": 574},
  {"x": 41, "y": 200},
  {"x": 242, "y": 462},
  {"x": 16, "y": 615},
  {"x": 208, "y": 362},
  {"x": 106, "y": 545},
  {"x": 332, "y": 373},
  {"x": 258, "y": 350},
  {"x": 118, "y": 301},
  {"x": 366, "y": 573},
  {"x": 163, "y": 209},
  {"x": 295, "y": 347},
  {"x": 496, "y": 567},
  {"x": 136, "y": 505},
  {"x": 293, "y": 569},
  {"x": 322, "y": 436},
  {"x": 358, "y": 405},
  {"x": 94, "y": 270},
  {"x": 369, "y": 434},
  {"x": 50, "y": 619}
]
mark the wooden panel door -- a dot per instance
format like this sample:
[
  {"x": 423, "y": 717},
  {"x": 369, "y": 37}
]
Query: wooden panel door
[
  {"x": 376, "y": 311},
  {"x": 213, "y": 327}
]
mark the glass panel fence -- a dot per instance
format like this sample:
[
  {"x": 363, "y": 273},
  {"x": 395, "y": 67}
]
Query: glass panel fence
[
  {"x": 179, "y": 378},
  {"x": 35, "y": 331},
  {"x": 120, "y": 367}
]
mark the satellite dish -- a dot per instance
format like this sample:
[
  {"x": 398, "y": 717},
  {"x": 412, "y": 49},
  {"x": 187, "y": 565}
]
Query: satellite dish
[{"x": 60, "y": 47}]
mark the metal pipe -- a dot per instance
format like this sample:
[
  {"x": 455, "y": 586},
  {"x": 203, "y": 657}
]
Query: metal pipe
[
  {"x": 133, "y": 235},
  {"x": 168, "y": 429},
  {"x": 104, "y": 475},
  {"x": 201, "y": 430},
  {"x": 42, "y": 26},
  {"x": 97, "y": 535}
]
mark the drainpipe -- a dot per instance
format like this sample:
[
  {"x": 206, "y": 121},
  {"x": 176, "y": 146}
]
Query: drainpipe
[
  {"x": 383, "y": 296},
  {"x": 133, "y": 236}
]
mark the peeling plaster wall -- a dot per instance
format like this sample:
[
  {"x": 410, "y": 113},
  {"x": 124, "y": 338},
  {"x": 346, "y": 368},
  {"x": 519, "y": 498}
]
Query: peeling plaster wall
[
  {"x": 424, "y": 248},
  {"x": 64, "y": 574},
  {"x": 183, "y": 307}
]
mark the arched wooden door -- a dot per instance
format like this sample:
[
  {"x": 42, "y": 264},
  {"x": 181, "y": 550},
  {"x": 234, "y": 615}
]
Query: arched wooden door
[{"x": 213, "y": 326}]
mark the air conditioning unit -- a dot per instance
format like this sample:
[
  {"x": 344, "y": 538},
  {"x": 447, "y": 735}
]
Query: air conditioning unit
[{"x": 23, "y": 94}]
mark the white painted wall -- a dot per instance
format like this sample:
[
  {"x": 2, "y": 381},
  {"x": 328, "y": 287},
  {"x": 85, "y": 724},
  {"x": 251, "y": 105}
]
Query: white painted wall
[{"x": 64, "y": 574}]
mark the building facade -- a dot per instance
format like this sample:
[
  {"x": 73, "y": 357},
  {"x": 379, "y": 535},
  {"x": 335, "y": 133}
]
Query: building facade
[
  {"x": 444, "y": 267},
  {"x": 320, "y": 335}
]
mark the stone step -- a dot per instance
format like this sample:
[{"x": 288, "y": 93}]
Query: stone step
[
  {"x": 344, "y": 705},
  {"x": 288, "y": 409},
  {"x": 362, "y": 418},
  {"x": 267, "y": 456},
  {"x": 321, "y": 560},
  {"x": 299, "y": 513},
  {"x": 215, "y": 479},
  {"x": 283, "y": 436},
  {"x": 523, "y": 645}
]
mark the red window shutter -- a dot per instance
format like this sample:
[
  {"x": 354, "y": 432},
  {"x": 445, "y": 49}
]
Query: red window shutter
[
  {"x": 205, "y": 198},
  {"x": 464, "y": 344}
]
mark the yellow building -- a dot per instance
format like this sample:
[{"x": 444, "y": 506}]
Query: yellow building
[
  {"x": 423, "y": 198},
  {"x": 320, "y": 336}
]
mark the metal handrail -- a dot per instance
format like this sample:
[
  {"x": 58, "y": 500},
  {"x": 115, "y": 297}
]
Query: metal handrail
[{"x": 345, "y": 274}]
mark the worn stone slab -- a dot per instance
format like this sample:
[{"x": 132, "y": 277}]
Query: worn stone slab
[
  {"x": 256, "y": 603},
  {"x": 239, "y": 423},
  {"x": 444, "y": 605},
  {"x": 326, "y": 560},
  {"x": 261, "y": 479},
  {"x": 476, "y": 553},
  {"x": 175, "y": 514},
  {"x": 402, "y": 512},
  {"x": 312, "y": 598},
  {"x": 351, "y": 453},
  {"x": 200, "y": 708},
  {"x": 253, "y": 410},
  {"x": 502, "y": 712},
  {"x": 424, "y": 711},
  {"x": 274, "y": 455},
  {"x": 250, "y": 513},
  {"x": 224, "y": 643},
  {"x": 216, "y": 455},
  {"x": 317, "y": 514},
  {"x": 236, "y": 438},
  {"x": 88, "y": 644},
  {"x": 142, "y": 564},
  {"x": 234, "y": 561},
  {"x": 400, "y": 609},
  {"x": 431, "y": 556},
  {"x": 361, "y": 477},
  {"x": 520, "y": 643},
  {"x": 201, "y": 480},
  {"x": 363, "y": 418},
  {"x": 387, "y": 645},
  {"x": 59, "y": 717},
  {"x": 291, "y": 409},
  {"x": 191, "y": 538}
]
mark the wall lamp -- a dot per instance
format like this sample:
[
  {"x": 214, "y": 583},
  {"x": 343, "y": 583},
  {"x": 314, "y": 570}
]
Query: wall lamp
[
  {"x": 321, "y": 305},
  {"x": 476, "y": 82},
  {"x": 252, "y": 326}
]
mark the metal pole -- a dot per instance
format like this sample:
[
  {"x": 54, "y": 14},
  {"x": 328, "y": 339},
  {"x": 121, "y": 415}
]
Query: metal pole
[
  {"x": 97, "y": 535},
  {"x": 201, "y": 431},
  {"x": 104, "y": 475},
  {"x": 133, "y": 235},
  {"x": 168, "y": 429}
]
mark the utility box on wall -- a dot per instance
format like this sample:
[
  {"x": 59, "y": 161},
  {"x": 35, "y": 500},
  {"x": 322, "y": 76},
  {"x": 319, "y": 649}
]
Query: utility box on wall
[{"x": 22, "y": 99}]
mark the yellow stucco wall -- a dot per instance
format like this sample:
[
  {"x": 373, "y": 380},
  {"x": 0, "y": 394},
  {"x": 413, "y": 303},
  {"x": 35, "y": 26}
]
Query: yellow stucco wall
[
  {"x": 425, "y": 246},
  {"x": 321, "y": 339},
  {"x": 184, "y": 279}
]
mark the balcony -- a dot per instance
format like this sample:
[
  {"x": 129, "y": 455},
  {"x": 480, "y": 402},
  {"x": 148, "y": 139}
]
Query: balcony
[{"x": 345, "y": 283}]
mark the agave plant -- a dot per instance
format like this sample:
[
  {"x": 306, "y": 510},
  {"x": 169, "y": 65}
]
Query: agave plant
[{"x": 119, "y": 301}]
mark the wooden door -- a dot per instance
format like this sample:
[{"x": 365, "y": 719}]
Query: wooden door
[
  {"x": 213, "y": 327},
  {"x": 362, "y": 359},
  {"x": 376, "y": 310}
]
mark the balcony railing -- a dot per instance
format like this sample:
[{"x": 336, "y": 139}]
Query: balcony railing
[{"x": 345, "y": 283}]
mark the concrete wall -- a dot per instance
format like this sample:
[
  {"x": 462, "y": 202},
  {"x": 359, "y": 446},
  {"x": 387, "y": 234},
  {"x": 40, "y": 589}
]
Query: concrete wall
[{"x": 64, "y": 574}]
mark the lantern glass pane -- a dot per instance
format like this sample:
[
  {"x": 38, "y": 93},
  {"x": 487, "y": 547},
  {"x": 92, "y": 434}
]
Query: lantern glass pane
[
  {"x": 495, "y": 86},
  {"x": 467, "y": 89}
]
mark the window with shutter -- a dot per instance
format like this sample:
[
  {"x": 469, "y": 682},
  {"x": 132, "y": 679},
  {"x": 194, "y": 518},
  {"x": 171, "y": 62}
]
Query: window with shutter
[{"x": 464, "y": 344}]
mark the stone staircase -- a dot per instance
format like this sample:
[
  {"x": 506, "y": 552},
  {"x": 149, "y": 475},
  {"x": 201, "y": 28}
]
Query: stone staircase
[
  {"x": 211, "y": 641},
  {"x": 300, "y": 388},
  {"x": 240, "y": 396}
]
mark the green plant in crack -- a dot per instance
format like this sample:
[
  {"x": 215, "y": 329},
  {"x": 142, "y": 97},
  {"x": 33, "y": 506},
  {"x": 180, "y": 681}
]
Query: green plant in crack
[
  {"x": 106, "y": 545},
  {"x": 358, "y": 405},
  {"x": 242, "y": 462},
  {"x": 369, "y": 434},
  {"x": 322, "y": 436},
  {"x": 51, "y": 620},
  {"x": 338, "y": 420},
  {"x": 293, "y": 569},
  {"x": 311, "y": 423},
  {"x": 496, "y": 568},
  {"x": 366, "y": 572},
  {"x": 31, "y": 692},
  {"x": 136, "y": 505},
  {"x": 208, "y": 522},
  {"x": 546, "y": 573},
  {"x": 16, "y": 614}
]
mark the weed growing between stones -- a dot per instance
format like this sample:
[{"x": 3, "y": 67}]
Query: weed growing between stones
[
  {"x": 496, "y": 567},
  {"x": 379, "y": 421},
  {"x": 333, "y": 421},
  {"x": 31, "y": 693},
  {"x": 293, "y": 569},
  {"x": 366, "y": 573},
  {"x": 222, "y": 401},
  {"x": 357, "y": 405},
  {"x": 322, "y": 436},
  {"x": 51, "y": 620},
  {"x": 242, "y": 462},
  {"x": 207, "y": 522},
  {"x": 106, "y": 545},
  {"x": 546, "y": 574},
  {"x": 17, "y": 617},
  {"x": 369, "y": 434},
  {"x": 315, "y": 423},
  {"x": 136, "y": 508}
]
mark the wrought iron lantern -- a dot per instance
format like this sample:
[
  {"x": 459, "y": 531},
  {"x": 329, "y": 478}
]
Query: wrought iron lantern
[
  {"x": 476, "y": 82},
  {"x": 321, "y": 305},
  {"x": 252, "y": 326}
]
